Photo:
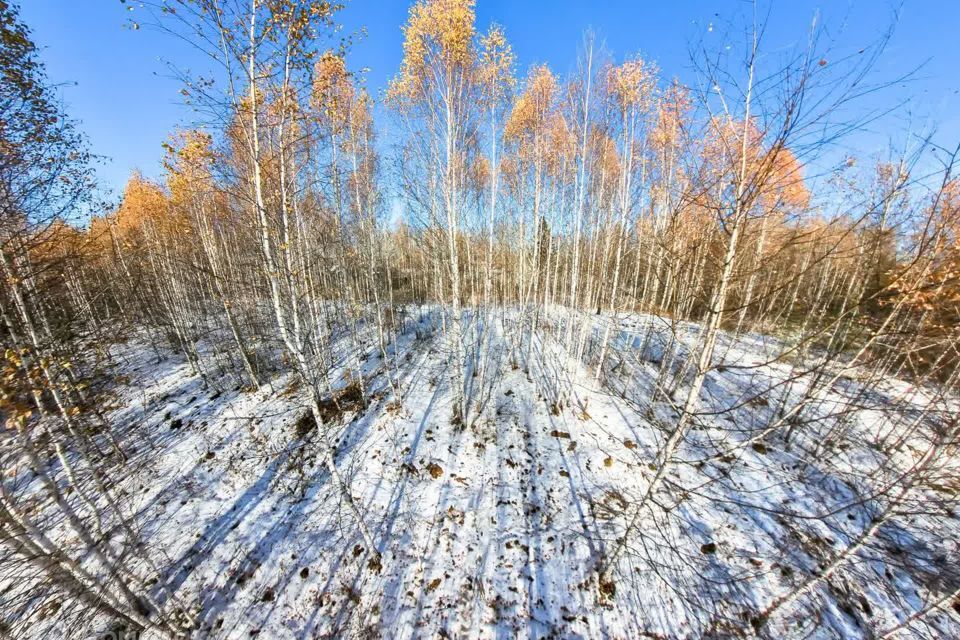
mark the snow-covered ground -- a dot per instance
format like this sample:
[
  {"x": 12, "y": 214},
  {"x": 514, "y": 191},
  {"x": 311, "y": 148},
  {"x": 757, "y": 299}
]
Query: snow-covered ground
[{"x": 495, "y": 529}]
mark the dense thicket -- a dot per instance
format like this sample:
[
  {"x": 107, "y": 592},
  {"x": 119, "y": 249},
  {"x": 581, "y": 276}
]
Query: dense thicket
[{"x": 544, "y": 209}]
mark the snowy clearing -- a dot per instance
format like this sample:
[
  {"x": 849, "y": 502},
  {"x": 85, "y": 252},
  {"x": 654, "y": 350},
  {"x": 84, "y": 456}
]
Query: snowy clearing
[{"x": 496, "y": 529}]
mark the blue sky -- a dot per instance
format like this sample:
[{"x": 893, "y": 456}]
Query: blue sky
[{"x": 114, "y": 80}]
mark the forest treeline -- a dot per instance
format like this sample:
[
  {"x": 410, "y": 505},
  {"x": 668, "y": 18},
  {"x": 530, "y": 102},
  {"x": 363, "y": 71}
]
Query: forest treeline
[
  {"x": 553, "y": 205},
  {"x": 609, "y": 191}
]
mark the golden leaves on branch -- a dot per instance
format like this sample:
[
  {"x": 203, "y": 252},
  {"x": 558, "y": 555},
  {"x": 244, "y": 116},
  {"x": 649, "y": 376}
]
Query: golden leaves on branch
[
  {"x": 298, "y": 20},
  {"x": 495, "y": 65},
  {"x": 530, "y": 112},
  {"x": 606, "y": 160},
  {"x": 737, "y": 152},
  {"x": 938, "y": 291},
  {"x": 437, "y": 43},
  {"x": 333, "y": 93},
  {"x": 143, "y": 202},
  {"x": 189, "y": 165},
  {"x": 632, "y": 84},
  {"x": 672, "y": 111},
  {"x": 561, "y": 144},
  {"x": 479, "y": 172}
]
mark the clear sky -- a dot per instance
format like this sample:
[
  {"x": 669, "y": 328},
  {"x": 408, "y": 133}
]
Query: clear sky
[{"x": 116, "y": 83}]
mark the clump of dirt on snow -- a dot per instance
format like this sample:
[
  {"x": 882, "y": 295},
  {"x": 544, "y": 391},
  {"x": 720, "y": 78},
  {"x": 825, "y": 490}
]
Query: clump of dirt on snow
[{"x": 332, "y": 409}]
